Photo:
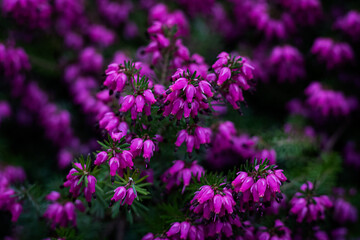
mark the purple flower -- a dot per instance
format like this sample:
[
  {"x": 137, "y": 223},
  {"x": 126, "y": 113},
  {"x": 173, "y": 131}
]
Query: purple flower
[
  {"x": 351, "y": 155},
  {"x": 304, "y": 12},
  {"x": 200, "y": 136},
  {"x": 260, "y": 185},
  {"x": 100, "y": 35},
  {"x": 333, "y": 54},
  {"x": 30, "y": 13},
  {"x": 90, "y": 60},
  {"x": 327, "y": 102},
  {"x": 208, "y": 200},
  {"x": 286, "y": 63},
  {"x": 259, "y": 16},
  {"x": 344, "y": 212},
  {"x": 62, "y": 214},
  {"x": 182, "y": 172},
  {"x": 349, "y": 24},
  {"x": 233, "y": 76},
  {"x": 307, "y": 206}
]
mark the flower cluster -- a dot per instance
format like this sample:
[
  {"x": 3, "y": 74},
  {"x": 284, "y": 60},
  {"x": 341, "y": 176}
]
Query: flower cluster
[
  {"x": 344, "y": 212},
  {"x": 13, "y": 61},
  {"x": 118, "y": 160},
  {"x": 232, "y": 76},
  {"x": 307, "y": 206},
  {"x": 349, "y": 24},
  {"x": 62, "y": 214},
  {"x": 259, "y": 17},
  {"x": 279, "y": 231},
  {"x": 75, "y": 178},
  {"x": 34, "y": 14},
  {"x": 327, "y": 102},
  {"x": 165, "y": 28},
  {"x": 184, "y": 230},
  {"x": 126, "y": 196},
  {"x": 227, "y": 147},
  {"x": 9, "y": 200},
  {"x": 181, "y": 171},
  {"x": 187, "y": 96},
  {"x": 286, "y": 63},
  {"x": 55, "y": 121},
  {"x": 180, "y": 230},
  {"x": 210, "y": 201},
  {"x": 259, "y": 185},
  {"x": 101, "y": 36},
  {"x": 193, "y": 136},
  {"x": 5, "y": 110},
  {"x": 145, "y": 146},
  {"x": 333, "y": 54},
  {"x": 304, "y": 12},
  {"x": 114, "y": 12},
  {"x": 351, "y": 155}
]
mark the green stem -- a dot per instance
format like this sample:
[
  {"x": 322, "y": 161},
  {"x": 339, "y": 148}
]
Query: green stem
[{"x": 165, "y": 67}]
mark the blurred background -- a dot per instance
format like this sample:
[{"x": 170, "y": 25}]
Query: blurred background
[{"x": 53, "y": 54}]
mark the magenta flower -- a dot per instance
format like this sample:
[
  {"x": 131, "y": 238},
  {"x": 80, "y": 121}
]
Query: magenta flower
[
  {"x": 115, "y": 12},
  {"x": 286, "y": 63},
  {"x": 349, "y": 24},
  {"x": 307, "y": 206},
  {"x": 182, "y": 172},
  {"x": 90, "y": 60},
  {"x": 327, "y": 102},
  {"x": 5, "y": 110},
  {"x": 344, "y": 211},
  {"x": 279, "y": 231},
  {"x": 8, "y": 199},
  {"x": 100, "y": 35},
  {"x": 352, "y": 155},
  {"x": 76, "y": 186},
  {"x": 259, "y": 17},
  {"x": 117, "y": 161},
  {"x": 124, "y": 195},
  {"x": 266, "y": 154},
  {"x": 259, "y": 185},
  {"x": 304, "y": 12},
  {"x": 233, "y": 75},
  {"x": 30, "y": 13},
  {"x": 146, "y": 147},
  {"x": 227, "y": 147},
  {"x": 186, "y": 96},
  {"x": 193, "y": 137},
  {"x": 13, "y": 61},
  {"x": 183, "y": 230},
  {"x": 333, "y": 54},
  {"x": 209, "y": 200},
  {"x": 61, "y": 214}
]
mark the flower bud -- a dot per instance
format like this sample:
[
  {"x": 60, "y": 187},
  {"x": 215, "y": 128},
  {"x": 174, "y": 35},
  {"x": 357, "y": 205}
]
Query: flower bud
[
  {"x": 182, "y": 136},
  {"x": 217, "y": 203},
  {"x": 127, "y": 103},
  {"x": 101, "y": 157},
  {"x": 149, "y": 96},
  {"x": 248, "y": 182},
  {"x": 149, "y": 148},
  {"x": 224, "y": 74},
  {"x": 179, "y": 84},
  {"x": 114, "y": 165},
  {"x": 140, "y": 102},
  {"x": 184, "y": 230},
  {"x": 130, "y": 196},
  {"x": 120, "y": 193},
  {"x": 174, "y": 229}
]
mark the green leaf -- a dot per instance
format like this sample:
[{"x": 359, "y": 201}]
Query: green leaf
[{"x": 82, "y": 177}]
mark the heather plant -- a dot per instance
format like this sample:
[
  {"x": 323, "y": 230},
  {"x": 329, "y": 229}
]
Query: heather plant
[{"x": 179, "y": 120}]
